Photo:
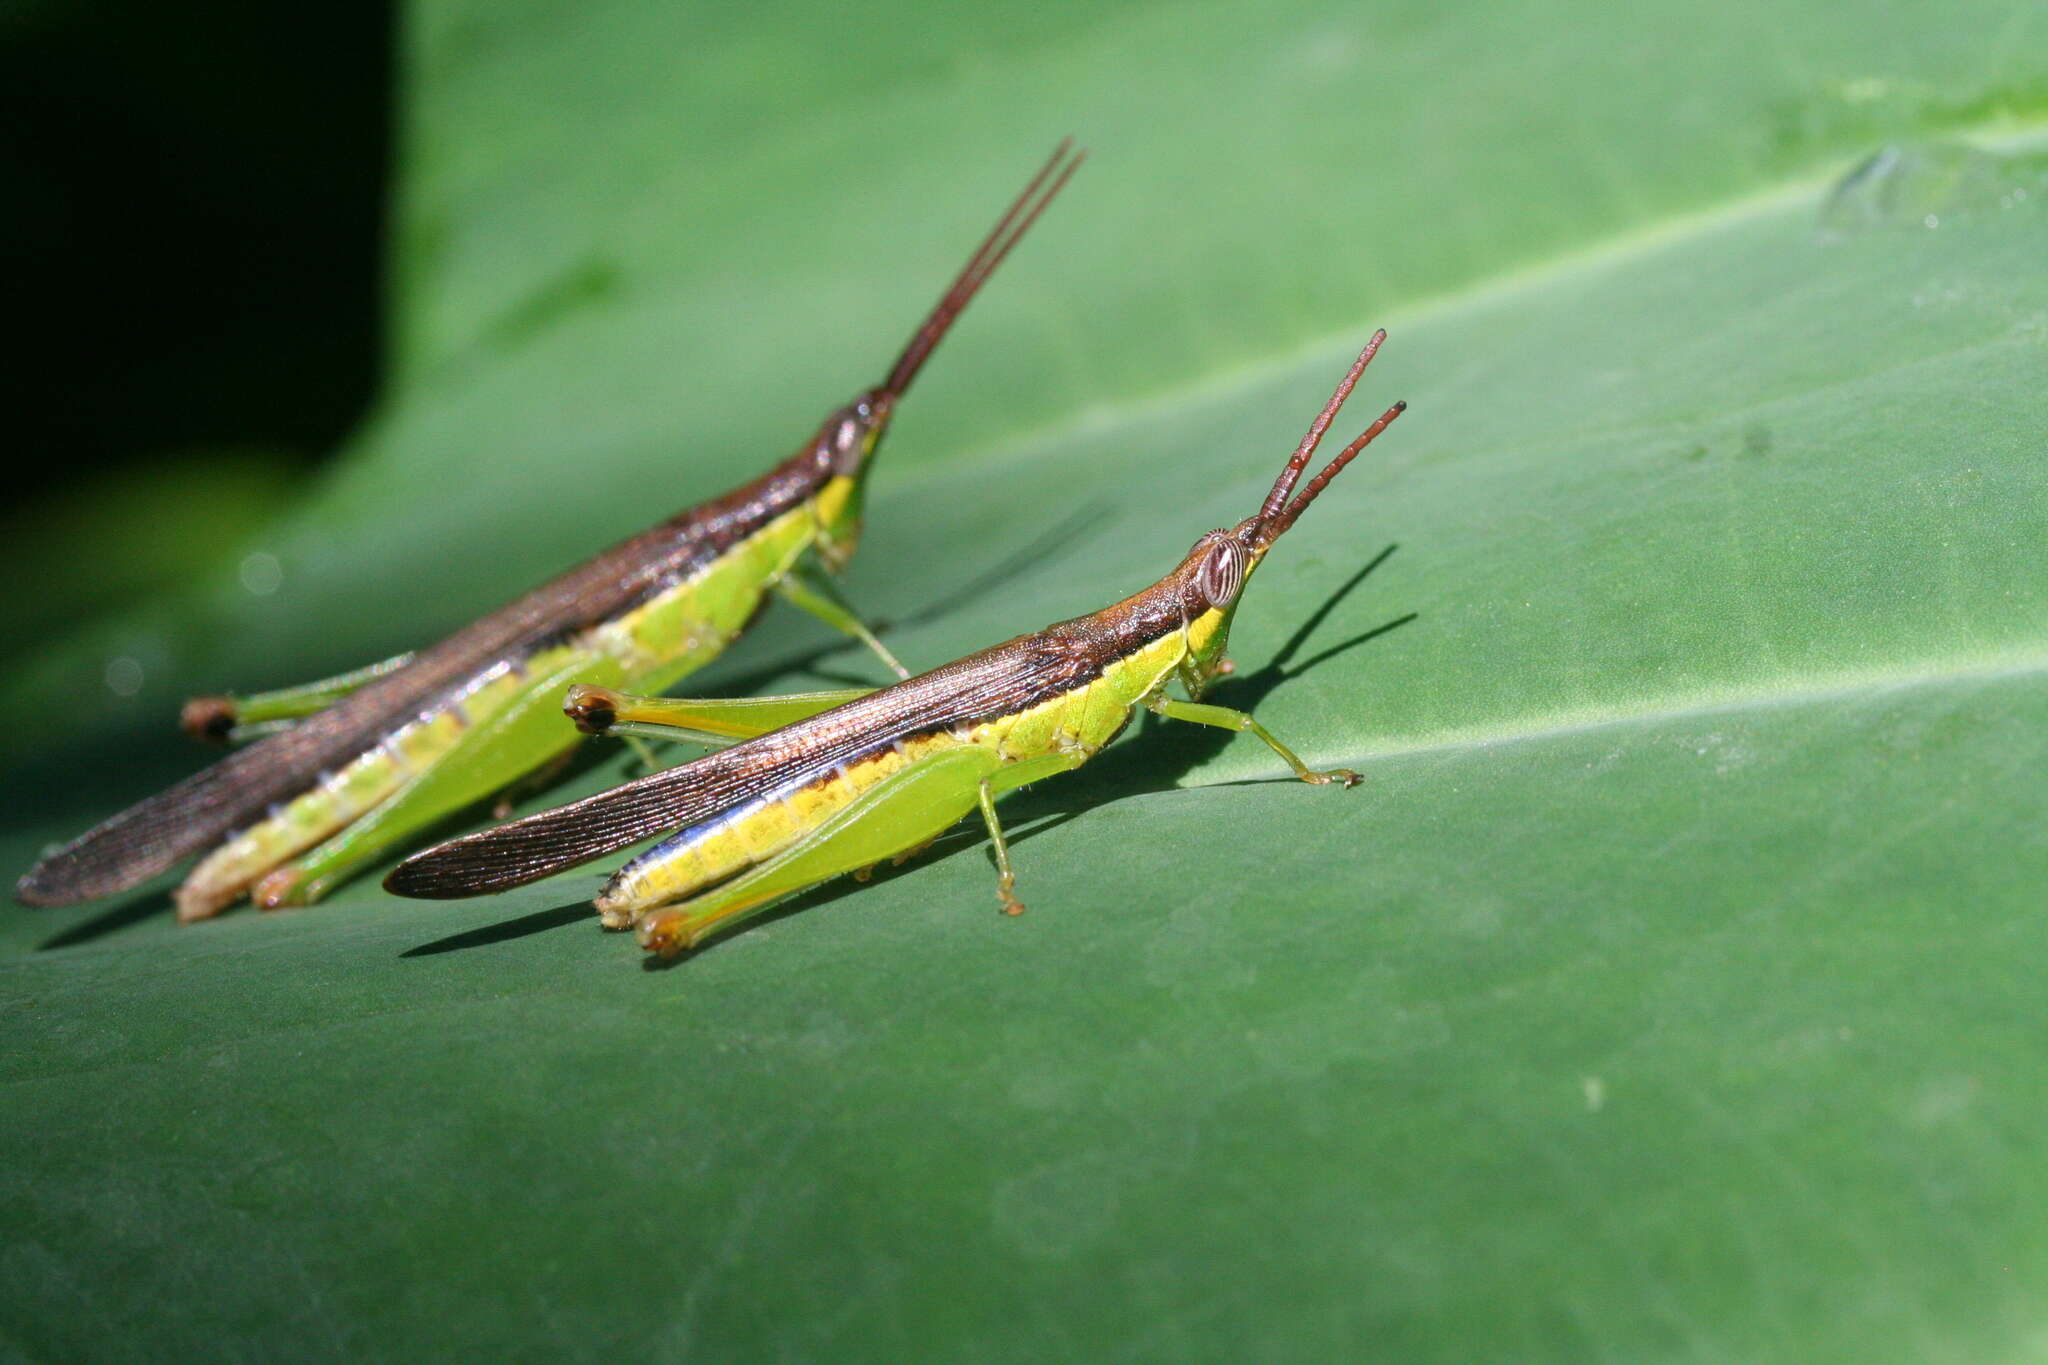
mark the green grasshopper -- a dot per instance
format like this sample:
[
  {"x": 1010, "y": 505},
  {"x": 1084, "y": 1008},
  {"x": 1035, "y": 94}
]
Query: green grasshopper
[
  {"x": 344, "y": 769},
  {"x": 826, "y": 783}
]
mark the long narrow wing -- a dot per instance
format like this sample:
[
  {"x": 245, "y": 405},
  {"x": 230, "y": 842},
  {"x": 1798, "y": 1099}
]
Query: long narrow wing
[{"x": 540, "y": 845}]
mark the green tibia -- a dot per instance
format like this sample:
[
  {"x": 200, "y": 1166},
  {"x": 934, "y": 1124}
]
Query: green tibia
[
  {"x": 821, "y": 598},
  {"x": 1009, "y": 778},
  {"x": 1223, "y": 718}
]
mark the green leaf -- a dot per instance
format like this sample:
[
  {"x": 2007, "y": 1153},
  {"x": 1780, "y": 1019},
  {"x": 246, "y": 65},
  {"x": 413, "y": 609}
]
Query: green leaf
[{"x": 1668, "y": 990}]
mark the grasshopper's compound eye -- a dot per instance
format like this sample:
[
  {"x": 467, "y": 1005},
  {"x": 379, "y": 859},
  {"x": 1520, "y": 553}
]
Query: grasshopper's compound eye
[
  {"x": 848, "y": 439},
  {"x": 1222, "y": 573}
]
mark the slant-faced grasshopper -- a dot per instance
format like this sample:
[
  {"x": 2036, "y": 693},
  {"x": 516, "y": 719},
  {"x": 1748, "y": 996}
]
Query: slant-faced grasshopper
[
  {"x": 366, "y": 760},
  {"x": 832, "y": 782}
]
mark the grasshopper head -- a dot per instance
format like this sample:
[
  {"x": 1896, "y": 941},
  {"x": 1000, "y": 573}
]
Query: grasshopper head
[
  {"x": 845, "y": 448},
  {"x": 1213, "y": 575},
  {"x": 848, "y": 439}
]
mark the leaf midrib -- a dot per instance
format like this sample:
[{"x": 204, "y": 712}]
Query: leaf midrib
[
  {"x": 1483, "y": 292},
  {"x": 1784, "y": 690}
]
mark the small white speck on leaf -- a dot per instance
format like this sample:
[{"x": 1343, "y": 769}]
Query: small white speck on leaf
[
  {"x": 261, "y": 573},
  {"x": 1595, "y": 1091},
  {"x": 124, "y": 676},
  {"x": 1941, "y": 1099}
]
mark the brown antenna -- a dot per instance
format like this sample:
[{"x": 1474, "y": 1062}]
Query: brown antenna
[
  {"x": 1284, "y": 485},
  {"x": 1001, "y": 239},
  {"x": 1322, "y": 480}
]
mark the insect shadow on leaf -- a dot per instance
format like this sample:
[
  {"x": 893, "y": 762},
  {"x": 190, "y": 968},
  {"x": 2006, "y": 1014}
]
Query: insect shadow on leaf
[
  {"x": 504, "y": 931},
  {"x": 134, "y": 910}
]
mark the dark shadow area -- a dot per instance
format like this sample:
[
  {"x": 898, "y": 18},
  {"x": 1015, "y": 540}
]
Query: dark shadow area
[
  {"x": 140, "y": 906},
  {"x": 538, "y": 922},
  {"x": 195, "y": 203},
  {"x": 195, "y": 200}
]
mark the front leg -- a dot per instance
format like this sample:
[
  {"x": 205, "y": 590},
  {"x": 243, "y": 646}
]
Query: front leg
[
  {"x": 818, "y": 597},
  {"x": 1223, "y": 718}
]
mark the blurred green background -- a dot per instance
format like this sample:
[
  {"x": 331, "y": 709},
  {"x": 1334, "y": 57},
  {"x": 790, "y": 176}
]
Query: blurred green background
[{"x": 1669, "y": 989}]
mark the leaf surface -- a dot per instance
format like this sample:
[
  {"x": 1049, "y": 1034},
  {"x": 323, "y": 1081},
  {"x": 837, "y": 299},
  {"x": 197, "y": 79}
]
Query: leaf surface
[{"x": 1668, "y": 990}]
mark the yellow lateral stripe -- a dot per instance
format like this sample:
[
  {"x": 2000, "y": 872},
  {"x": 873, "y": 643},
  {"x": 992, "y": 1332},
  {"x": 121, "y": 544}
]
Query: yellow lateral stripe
[
  {"x": 332, "y": 805},
  {"x": 341, "y": 798},
  {"x": 749, "y": 834}
]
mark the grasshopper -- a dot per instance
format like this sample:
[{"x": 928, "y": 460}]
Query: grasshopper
[
  {"x": 826, "y": 783},
  {"x": 341, "y": 770}
]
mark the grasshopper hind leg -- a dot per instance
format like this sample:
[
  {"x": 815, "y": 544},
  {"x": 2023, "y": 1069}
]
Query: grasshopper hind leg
[
  {"x": 305, "y": 823},
  {"x": 908, "y": 807},
  {"x": 898, "y": 816},
  {"x": 227, "y": 719}
]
